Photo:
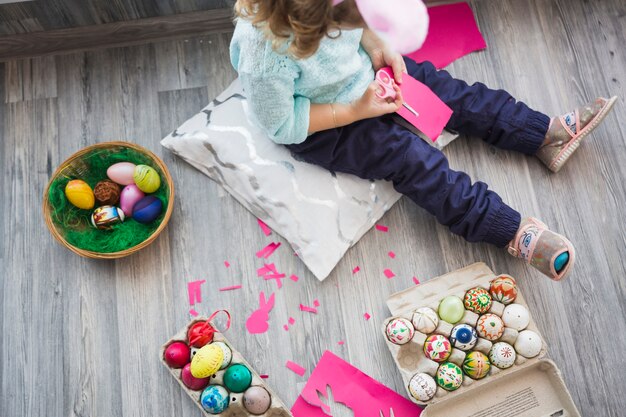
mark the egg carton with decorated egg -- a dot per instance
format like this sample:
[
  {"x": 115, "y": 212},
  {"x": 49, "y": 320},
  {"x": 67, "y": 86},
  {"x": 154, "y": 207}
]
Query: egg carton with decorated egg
[
  {"x": 216, "y": 376},
  {"x": 458, "y": 336}
]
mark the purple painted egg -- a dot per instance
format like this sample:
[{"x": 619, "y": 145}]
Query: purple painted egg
[
  {"x": 147, "y": 209},
  {"x": 122, "y": 173},
  {"x": 131, "y": 194}
]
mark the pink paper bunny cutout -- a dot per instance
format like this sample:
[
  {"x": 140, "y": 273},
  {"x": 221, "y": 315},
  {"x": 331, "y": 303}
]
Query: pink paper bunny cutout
[{"x": 258, "y": 320}]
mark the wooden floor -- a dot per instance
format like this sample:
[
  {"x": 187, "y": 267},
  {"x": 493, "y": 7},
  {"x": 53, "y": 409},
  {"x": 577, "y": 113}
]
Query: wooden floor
[{"x": 81, "y": 337}]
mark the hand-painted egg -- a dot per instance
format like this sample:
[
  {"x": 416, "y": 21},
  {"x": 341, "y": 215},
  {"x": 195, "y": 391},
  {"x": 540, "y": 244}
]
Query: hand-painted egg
[
  {"x": 476, "y": 365},
  {"x": 200, "y": 334},
  {"x": 191, "y": 382},
  {"x": 516, "y": 316},
  {"x": 463, "y": 336},
  {"x": 422, "y": 387},
  {"x": 146, "y": 178},
  {"x": 214, "y": 399},
  {"x": 147, "y": 209},
  {"x": 228, "y": 354},
  {"x": 490, "y": 326},
  {"x": 237, "y": 378},
  {"x": 437, "y": 348},
  {"x": 503, "y": 289},
  {"x": 502, "y": 355},
  {"x": 79, "y": 193},
  {"x": 449, "y": 376},
  {"x": 425, "y": 320},
  {"x": 207, "y": 361},
  {"x": 121, "y": 173},
  {"x": 177, "y": 355},
  {"x": 399, "y": 331},
  {"x": 107, "y": 193},
  {"x": 451, "y": 309},
  {"x": 105, "y": 216},
  {"x": 130, "y": 196},
  {"x": 256, "y": 400},
  {"x": 528, "y": 344},
  {"x": 477, "y": 300}
]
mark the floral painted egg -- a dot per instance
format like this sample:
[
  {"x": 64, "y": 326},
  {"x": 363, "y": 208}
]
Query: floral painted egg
[
  {"x": 207, "y": 361},
  {"x": 425, "y": 320},
  {"x": 237, "y": 378},
  {"x": 422, "y": 387},
  {"x": 79, "y": 193},
  {"x": 214, "y": 399},
  {"x": 516, "y": 316},
  {"x": 503, "y": 289},
  {"x": 256, "y": 400},
  {"x": 449, "y": 376},
  {"x": 130, "y": 196},
  {"x": 121, "y": 173},
  {"x": 228, "y": 354},
  {"x": 463, "y": 336},
  {"x": 147, "y": 209},
  {"x": 502, "y": 355},
  {"x": 476, "y": 365},
  {"x": 490, "y": 326},
  {"x": 107, "y": 193},
  {"x": 437, "y": 348},
  {"x": 200, "y": 334},
  {"x": 176, "y": 355},
  {"x": 191, "y": 382},
  {"x": 105, "y": 216},
  {"x": 528, "y": 344},
  {"x": 399, "y": 331},
  {"x": 451, "y": 309},
  {"x": 146, "y": 178},
  {"x": 477, "y": 300}
]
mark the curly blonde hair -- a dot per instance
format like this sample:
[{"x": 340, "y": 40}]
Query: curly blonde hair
[{"x": 303, "y": 22}]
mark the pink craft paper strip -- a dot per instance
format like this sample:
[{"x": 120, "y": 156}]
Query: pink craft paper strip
[
  {"x": 226, "y": 264},
  {"x": 382, "y": 228},
  {"x": 389, "y": 273},
  {"x": 341, "y": 342},
  {"x": 264, "y": 376},
  {"x": 367, "y": 316},
  {"x": 285, "y": 327},
  {"x": 355, "y": 270},
  {"x": 294, "y": 278},
  {"x": 452, "y": 33},
  {"x": 268, "y": 250},
  {"x": 391, "y": 254},
  {"x": 292, "y": 320},
  {"x": 193, "y": 312},
  {"x": 308, "y": 309},
  {"x": 266, "y": 230},
  {"x": 194, "y": 291},
  {"x": 416, "y": 281},
  {"x": 316, "y": 303},
  {"x": 232, "y": 287},
  {"x": 295, "y": 368}
]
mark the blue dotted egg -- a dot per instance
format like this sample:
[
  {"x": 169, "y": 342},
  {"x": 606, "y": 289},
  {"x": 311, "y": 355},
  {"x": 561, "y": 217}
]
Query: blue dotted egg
[{"x": 147, "y": 209}]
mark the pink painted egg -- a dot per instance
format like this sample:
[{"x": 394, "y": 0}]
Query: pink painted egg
[
  {"x": 177, "y": 355},
  {"x": 122, "y": 173},
  {"x": 131, "y": 194},
  {"x": 437, "y": 348},
  {"x": 191, "y": 382}
]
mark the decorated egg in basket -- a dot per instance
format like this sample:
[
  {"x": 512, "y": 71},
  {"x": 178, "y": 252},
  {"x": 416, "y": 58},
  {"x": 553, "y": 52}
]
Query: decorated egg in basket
[
  {"x": 477, "y": 300},
  {"x": 503, "y": 289},
  {"x": 399, "y": 331},
  {"x": 79, "y": 193},
  {"x": 214, "y": 399},
  {"x": 476, "y": 365},
  {"x": 425, "y": 320},
  {"x": 449, "y": 376},
  {"x": 207, "y": 361},
  {"x": 257, "y": 400},
  {"x": 106, "y": 216},
  {"x": 516, "y": 316},
  {"x": 437, "y": 348},
  {"x": 502, "y": 355},
  {"x": 463, "y": 336},
  {"x": 422, "y": 387},
  {"x": 490, "y": 326}
]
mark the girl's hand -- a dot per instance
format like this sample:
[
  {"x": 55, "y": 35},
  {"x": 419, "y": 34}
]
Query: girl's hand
[
  {"x": 370, "y": 105},
  {"x": 382, "y": 57}
]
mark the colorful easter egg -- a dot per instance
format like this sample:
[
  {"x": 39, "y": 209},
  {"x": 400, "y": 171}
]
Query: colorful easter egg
[
  {"x": 490, "y": 326},
  {"x": 516, "y": 316},
  {"x": 200, "y": 334},
  {"x": 463, "y": 336},
  {"x": 146, "y": 178},
  {"x": 228, "y": 354},
  {"x": 256, "y": 400},
  {"x": 449, "y": 376},
  {"x": 105, "y": 216},
  {"x": 502, "y": 355},
  {"x": 477, "y": 300},
  {"x": 476, "y": 365},
  {"x": 107, "y": 193},
  {"x": 451, "y": 309},
  {"x": 121, "y": 173},
  {"x": 177, "y": 355},
  {"x": 425, "y": 320},
  {"x": 422, "y": 387},
  {"x": 399, "y": 331},
  {"x": 130, "y": 196},
  {"x": 207, "y": 361},
  {"x": 214, "y": 399},
  {"x": 192, "y": 352},
  {"x": 147, "y": 209},
  {"x": 437, "y": 348},
  {"x": 528, "y": 344},
  {"x": 237, "y": 378},
  {"x": 191, "y": 382},
  {"x": 79, "y": 193},
  {"x": 503, "y": 289}
]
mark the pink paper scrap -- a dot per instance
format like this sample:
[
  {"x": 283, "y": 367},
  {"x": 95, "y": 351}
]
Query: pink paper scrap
[
  {"x": 232, "y": 287},
  {"x": 308, "y": 309},
  {"x": 266, "y": 230},
  {"x": 294, "y": 277},
  {"x": 416, "y": 281},
  {"x": 391, "y": 254},
  {"x": 194, "y": 291},
  {"x": 316, "y": 303},
  {"x": 295, "y": 368},
  {"x": 269, "y": 271},
  {"x": 264, "y": 376},
  {"x": 341, "y": 342},
  {"x": 292, "y": 320},
  {"x": 268, "y": 250},
  {"x": 285, "y": 327},
  {"x": 355, "y": 270},
  {"x": 452, "y": 33},
  {"x": 193, "y": 312},
  {"x": 226, "y": 264},
  {"x": 389, "y": 273},
  {"x": 367, "y": 316},
  {"x": 382, "y": 228}
]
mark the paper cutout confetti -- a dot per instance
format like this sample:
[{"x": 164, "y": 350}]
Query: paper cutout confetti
[
  {"x": 194, "y": 291},
  {"x": 193, "y": 312},
  {"x": 286, "y": 327},
  {"x": 295, "y": 368},
  {"x": 391, "y": 254},
  {"x": 416, "y": 281},
  {"x": 308, "y": 309},
  {"x": 226, "y": 264},
  {"x": 341, "y": 342},
  {"x": 232, "y": 287},
  {"x": 257, "y": 322},
  {"x": 268, "y": 250},
  {"x": 292, "y": 320},
  {"x": 367, "y": 316},
  {"x": 264, "y": 376},
  {"x": 266, "y": 230},
  {"x": 389, "y": 273},
  {"x": 382, "y": 228},
  {"x": 316, "y": 303},
  {"x": 355, "y": 270},
  {"x": 294, "y": 278},
  {"x": 269, "y": 271}
]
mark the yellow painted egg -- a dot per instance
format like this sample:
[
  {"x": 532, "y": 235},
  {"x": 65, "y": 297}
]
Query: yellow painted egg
[
  {"x": 207, "y": 361},
  {"x": 146, "y": 178},
  {"x": 80, "y": 194}
]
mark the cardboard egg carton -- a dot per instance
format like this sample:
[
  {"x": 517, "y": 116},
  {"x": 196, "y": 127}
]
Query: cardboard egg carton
[
  {"x": 236, "y": 407},
  {"x": 410, "y": 358}
]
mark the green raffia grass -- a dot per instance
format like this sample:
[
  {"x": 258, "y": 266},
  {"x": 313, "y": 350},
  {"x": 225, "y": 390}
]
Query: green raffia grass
[{"x": 75, "y": 225}]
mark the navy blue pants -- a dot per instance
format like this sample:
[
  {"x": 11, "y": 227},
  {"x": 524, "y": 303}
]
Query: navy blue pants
[{"x": 379, "y": 148}]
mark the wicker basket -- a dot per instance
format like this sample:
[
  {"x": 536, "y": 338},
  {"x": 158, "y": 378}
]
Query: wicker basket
[{"x": 73, "y": 164}]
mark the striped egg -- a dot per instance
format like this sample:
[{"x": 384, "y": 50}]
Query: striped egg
[{"x": 146, "y": 178}]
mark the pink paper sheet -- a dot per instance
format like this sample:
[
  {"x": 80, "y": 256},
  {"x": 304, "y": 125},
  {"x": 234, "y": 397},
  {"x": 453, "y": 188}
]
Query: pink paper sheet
[
  {"x": 452, "y": 33},
  {"x": 351, "y": 387}
]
